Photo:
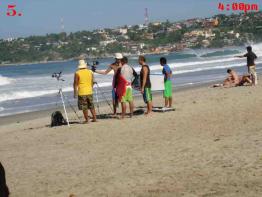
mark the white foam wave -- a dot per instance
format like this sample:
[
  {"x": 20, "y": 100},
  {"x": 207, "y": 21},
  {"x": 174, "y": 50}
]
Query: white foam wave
[
  {"x": 2, "y": 109},
  {"x": 105, "y": 84},
  {"x": 257, "y": 48},
  {"x": 5, "y": 80},
  {"x": 179, "y": 65},
  {"x": 31, "y": 94},
  {"x": 24, "y": 94},
  {"x": 209, "y": 68}
]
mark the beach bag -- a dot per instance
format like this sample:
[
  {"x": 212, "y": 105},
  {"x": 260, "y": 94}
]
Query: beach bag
[
  {"x": 57, "y": 119},
  {"x": 136, "y": 81}
]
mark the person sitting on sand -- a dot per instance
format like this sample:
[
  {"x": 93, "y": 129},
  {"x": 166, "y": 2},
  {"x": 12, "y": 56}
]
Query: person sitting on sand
[
  {"x": 245, "y": 80},
  {"x": 234, "y": 80},
  {"x": 145, "y": 83},
  {"x": 4, "y": 191},
  {"x": 83, "y": 88}
]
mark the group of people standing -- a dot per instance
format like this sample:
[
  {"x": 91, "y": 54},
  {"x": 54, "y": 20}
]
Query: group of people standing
[{"x": 124, "y": 77}]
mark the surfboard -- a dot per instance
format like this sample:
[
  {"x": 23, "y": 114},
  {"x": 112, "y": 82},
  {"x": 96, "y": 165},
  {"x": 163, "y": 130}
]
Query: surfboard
[
  {"x": 163, "y": 109},
  {"x": 157, "y": 82}
]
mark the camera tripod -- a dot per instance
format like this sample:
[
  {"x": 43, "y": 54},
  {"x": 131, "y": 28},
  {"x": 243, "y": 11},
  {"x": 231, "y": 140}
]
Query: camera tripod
[
  {"x": 63, "y": 97},
  {"x": 98, "y": 90},
  {"x": 63, "y": 102}
]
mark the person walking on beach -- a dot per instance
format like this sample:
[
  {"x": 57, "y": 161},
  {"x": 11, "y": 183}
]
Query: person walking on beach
[
  {"x": 113, "y": 67},
  {"x": 83, "y": 88},
  {"x": 124, "y": 77},
  {"x": 167, "y": 80},
  {"x": 251, "y": 57},
  {"x": 4, "y": 191},
  {"x": 145, "y": 83}
]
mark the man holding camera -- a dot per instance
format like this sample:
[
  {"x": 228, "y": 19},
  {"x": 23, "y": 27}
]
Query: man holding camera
[
  {"x": 83, "y": 88},
  {"x": 113, "y": 67}
]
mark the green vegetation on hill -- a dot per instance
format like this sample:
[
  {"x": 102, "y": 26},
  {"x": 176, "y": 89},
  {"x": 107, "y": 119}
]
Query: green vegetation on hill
[{"x": 235, "y": 29}]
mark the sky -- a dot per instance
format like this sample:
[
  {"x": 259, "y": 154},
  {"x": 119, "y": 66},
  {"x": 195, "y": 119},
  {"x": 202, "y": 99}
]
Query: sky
[{"x": 44, "y": 16}]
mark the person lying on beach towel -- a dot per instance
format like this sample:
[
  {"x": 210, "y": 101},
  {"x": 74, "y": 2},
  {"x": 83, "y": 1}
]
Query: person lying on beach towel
[{"x": 233, "y": 80}]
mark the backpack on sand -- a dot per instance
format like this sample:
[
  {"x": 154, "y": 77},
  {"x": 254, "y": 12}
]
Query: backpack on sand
[
  {"x": 57, "y": 119},
  {"x": 135, "y": 82}
]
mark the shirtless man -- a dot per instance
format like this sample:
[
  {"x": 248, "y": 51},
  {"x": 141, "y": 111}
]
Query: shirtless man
[
  {"x": 114, "y": 66},
  {"x": 234, "y": 80}
]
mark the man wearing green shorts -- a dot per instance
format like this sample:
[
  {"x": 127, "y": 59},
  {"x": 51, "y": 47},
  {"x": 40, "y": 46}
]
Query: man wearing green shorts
[
  {"x": 128, "y": 73},
  {"x": 168, "y": 83},
  {"x": 145, "y": 84}
]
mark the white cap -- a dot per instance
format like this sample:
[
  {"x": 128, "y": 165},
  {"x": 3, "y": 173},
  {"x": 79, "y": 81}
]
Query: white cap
[
  {"x": 82, "y": 64},
  {"x": 119, "y": 56}
]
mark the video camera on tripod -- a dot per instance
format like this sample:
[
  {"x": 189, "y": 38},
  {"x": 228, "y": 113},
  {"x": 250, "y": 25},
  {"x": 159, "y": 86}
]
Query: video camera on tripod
[
  {"x": 94, "y": 65},
  {"x": 58, "y": 76}
]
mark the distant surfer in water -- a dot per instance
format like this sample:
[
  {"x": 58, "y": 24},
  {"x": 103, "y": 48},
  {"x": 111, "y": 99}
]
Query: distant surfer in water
[
  {"x": 113, "y": 67},
  {"x": 145, "y": 83}
]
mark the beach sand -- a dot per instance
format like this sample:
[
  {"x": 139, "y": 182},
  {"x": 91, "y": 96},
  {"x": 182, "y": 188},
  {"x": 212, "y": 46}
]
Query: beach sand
[{"x": 210, "y": 146}]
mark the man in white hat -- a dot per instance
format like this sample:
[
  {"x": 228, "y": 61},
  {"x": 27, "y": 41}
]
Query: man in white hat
[
  {"x": 83, "y": 88},
  {"x": 113, "y": 67}
]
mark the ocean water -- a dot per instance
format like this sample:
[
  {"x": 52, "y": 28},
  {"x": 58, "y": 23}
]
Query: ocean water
[{"x": 25, "y": 88}]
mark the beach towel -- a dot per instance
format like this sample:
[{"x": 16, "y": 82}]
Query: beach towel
[
  {"x": 121, "y": 87},
  {"x": 163, "y": 109}
]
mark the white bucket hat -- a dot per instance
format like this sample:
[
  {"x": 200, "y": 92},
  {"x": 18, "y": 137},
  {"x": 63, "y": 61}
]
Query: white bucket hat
[
  {"x": 82, "y": 64},
  {"x": 119, "y": 56}
]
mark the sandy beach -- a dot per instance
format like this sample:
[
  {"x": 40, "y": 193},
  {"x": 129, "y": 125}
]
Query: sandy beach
[{"x": 210, "y": 146}]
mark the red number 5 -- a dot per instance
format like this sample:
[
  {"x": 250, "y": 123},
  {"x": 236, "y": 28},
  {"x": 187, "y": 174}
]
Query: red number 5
[{"x": 11, "y": 10}]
